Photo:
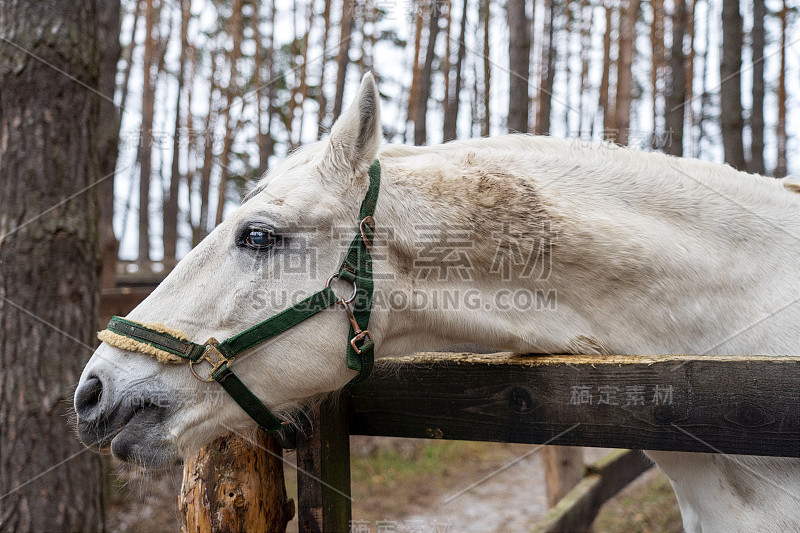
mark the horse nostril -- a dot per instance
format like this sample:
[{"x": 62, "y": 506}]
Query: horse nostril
[{"x": 87, "y": 398}]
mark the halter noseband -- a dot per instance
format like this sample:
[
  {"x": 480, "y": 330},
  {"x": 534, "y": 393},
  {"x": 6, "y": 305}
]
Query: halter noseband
[{"x": 356, "y": 268}]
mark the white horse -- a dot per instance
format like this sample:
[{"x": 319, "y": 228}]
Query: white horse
[{"x": 646, "y": 253}]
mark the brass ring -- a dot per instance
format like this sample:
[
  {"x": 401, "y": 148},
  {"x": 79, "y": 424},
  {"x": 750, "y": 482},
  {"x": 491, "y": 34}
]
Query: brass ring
[{"x": 352, "y": 296}]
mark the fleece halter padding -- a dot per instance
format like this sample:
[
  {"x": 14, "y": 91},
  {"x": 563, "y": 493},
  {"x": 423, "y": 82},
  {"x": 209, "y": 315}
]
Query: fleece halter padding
[
  {"x": 135, "y": 344},
  {"x": 172, "y": 346}
]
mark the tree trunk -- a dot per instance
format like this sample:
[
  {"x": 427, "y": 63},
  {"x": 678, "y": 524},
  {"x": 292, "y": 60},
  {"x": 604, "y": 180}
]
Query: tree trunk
[
  {"x": 676, "y": 94},
  {"x": 49, "y": 261},
  {"x": 420, "y": 131},
  {"x": 451, "y": 111},
  {"x": 293, "y": 86},
  {"x": 627, "y": 36},
  {"x": 565, "y": 45},
  {"x": 446, "y": 66},
  {"x": 171, "y": 205},
  {"x": 201, "y": 230},
  {"x": 191, "y": 143},
  {"x": 416, "y": 67},
  {"x": 781, "y": 167},
  {"x": 369, "y": 16},
  {"x": 487, "y": 70},
  {"x": 232, "y": 91},
  {"x": 757, "y": 111},
  {"x": 137, "y": 11},
  {"x": 605, "y": 81},
  {"x": 236, "y": 485},
  {"x": 475, "y": 113},
  {"x": 657, "y": 65},
  {"x": 701, "y": 115},
  {"x": 108, "y": 26},
  {"x": 266, "y": 142},
  {"x": 259, "y": 81},
  {"x": 730, "y": 91},
  {"x": 548, "y": 69},
  {"x": 587, "y": 22},
  {"x": 519, "y": 53},
  {"x": 689, "y": 76},
  {"x": 563, "y": 469},
  {"x": 303, "y": 89},
  {"x": 146, "y": 131},
  {"x": 322, "y": 101},
  {"x": 343, "y": 57}
]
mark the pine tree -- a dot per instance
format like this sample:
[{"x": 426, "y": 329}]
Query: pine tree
[
  {"x": 170, "y": 213},
  {"x": 519, "y": 45},
  {"x": 151, "y": 13},
  {"x": 757, "y": 110},
  {"x": 48, "y": 261},
  {"x": 781, "y": 167},
  {"x": 624, "y": 93},
  {"x": 548, "y": 69},
  {"x": 454, "y": 100},
  {"x": 420, "y": 119},
  {"x": 676, "y": 95},
  {"x": 730, "y": 92}
]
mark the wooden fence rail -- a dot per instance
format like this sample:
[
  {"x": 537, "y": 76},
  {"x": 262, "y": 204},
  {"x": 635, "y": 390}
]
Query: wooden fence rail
[
  {"x": 713, "y": 404},
  {"x": 746, "y": 405}
]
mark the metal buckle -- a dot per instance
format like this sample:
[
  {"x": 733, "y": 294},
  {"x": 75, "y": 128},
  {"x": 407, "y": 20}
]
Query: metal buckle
[
  {"x": 358, "y": 337},
  {"x": 356, "y": 328},
  {"x": 212, "y": 356}
]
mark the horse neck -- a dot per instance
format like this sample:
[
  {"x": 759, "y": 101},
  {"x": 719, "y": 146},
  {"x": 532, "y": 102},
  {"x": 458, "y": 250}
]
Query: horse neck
[{"x": 617, "y": 268}]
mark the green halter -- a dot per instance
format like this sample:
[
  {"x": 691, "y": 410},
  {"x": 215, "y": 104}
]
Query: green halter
[{"x": 356, "y": 268}]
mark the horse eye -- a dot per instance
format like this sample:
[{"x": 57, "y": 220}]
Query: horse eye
[{"x": 258, "y": 238}]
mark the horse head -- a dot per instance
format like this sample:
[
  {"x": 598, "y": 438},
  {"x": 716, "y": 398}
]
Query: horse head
[{"x": 277, "y": 248}]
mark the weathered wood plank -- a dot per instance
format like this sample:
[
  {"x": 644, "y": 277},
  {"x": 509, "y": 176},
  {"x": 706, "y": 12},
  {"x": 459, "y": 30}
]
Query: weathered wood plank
[
  {"x": 578, "y": 508},
  {"x": 744, "y": 405},
  {"x": 323, "y": 470}
]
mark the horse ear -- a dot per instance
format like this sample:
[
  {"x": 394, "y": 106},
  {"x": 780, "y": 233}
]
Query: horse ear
[{"x": 357, "y": 133}]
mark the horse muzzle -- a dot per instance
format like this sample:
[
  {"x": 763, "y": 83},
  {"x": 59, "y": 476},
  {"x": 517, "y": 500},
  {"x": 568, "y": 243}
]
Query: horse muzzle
[{"x": 131, "y": 425}]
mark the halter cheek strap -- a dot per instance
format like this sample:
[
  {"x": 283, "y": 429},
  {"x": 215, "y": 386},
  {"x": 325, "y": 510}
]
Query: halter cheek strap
[{"x": 172, "y": 346}]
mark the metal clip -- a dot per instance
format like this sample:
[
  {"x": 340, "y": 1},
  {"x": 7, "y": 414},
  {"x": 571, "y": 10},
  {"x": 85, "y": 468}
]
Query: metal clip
[
  {"x": 212, "y": 356},
  {"x": 356, "y": 328},
  {"x": 370, "y": 223}
]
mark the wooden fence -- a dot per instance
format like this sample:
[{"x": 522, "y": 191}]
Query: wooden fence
[
  {"x": 709, "y": 404},
  {"x": 746, "y": 405}
]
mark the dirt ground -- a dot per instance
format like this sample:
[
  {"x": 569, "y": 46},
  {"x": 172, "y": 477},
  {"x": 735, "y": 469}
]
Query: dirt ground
[{"x": 410, "y": 485}]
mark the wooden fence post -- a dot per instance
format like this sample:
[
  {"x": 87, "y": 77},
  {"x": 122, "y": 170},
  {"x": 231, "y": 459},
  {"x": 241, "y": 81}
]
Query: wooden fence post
[
  {"x": 604, "y": 479},
  {"x": 323, "y": 469},
  {"x": 235, "y": 484},
  {"x": 563, "y": 469}
]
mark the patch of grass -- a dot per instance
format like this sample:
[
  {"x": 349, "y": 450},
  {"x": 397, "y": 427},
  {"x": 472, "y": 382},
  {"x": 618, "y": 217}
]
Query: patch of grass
[
  {"x": 645, "y": 507},
  {"x": 390, "y": 465},
  {"x": 400, "y": 475}
]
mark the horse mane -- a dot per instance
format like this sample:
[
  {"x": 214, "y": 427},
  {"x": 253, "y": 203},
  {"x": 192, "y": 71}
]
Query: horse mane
[
  {"x": 590, "y": 152},
  {"x": 616, "y": 177}
]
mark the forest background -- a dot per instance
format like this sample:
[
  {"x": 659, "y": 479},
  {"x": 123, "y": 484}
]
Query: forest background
[{"x": 212, "y": 93}]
